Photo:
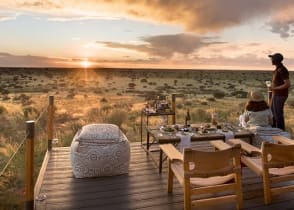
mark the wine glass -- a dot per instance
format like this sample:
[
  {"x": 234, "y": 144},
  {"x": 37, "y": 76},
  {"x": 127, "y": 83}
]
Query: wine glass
[{"x": 268, "y": 84}]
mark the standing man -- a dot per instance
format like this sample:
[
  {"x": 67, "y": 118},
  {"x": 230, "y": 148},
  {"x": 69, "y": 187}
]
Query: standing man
[{"x": 280, "y": 88}]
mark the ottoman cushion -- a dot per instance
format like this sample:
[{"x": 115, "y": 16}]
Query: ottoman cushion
[{"x": 100, "y": 150}]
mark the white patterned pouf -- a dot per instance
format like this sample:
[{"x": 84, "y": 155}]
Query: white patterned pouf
[{"x": 100, "y": 150}]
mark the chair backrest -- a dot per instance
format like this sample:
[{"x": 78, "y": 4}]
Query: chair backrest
[
  {"x": 277, "y": 155},
  {"x": 206, "y": 164}
]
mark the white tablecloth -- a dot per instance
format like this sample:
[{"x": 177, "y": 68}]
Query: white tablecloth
[{"x": 185, "y": 141}]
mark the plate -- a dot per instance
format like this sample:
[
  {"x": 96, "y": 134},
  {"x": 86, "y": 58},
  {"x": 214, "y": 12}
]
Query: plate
[
  {"x": 210, "y": 130},
  {"x": 167, "y": 129}
]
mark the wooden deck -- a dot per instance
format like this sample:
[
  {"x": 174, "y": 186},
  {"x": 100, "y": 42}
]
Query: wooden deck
[{"x": 143, "y": 188}]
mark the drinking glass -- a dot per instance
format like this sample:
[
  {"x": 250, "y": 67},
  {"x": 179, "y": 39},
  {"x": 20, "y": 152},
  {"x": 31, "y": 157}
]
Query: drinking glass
[{"x": 268, "y": 83}]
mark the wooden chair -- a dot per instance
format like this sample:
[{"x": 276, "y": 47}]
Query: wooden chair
[
  {"x": 283, "y": 140},
  {"x": 247, "y": 149},
  {"x": 275, "y": 164},
  {"x": 201, "y": 172}
]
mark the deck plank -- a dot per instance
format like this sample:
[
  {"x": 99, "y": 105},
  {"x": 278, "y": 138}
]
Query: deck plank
[{"x": 142, "y": 188}]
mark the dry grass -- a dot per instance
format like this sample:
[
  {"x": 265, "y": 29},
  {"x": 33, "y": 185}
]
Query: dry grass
[{"x": 105, "y": 95}]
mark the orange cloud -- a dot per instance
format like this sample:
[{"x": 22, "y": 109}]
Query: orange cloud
[
  {"x": 199, "y": 16},
  {"x": 10, "y": 60},
  {"x": 7, "y": 16},
  {"x": 166, "y": 45}
]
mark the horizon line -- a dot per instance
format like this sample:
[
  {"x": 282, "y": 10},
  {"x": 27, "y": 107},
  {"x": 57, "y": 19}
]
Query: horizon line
[{"x": 126, "y": 68}]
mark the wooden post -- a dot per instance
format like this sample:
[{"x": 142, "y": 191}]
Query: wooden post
[
  {"x": 174, "y": 108},
  {"x": 29, "y": 161},
  {"x": 50, "y": 121}
]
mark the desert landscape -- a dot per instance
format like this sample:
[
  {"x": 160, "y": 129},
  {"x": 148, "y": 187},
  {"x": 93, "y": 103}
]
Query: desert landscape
[{"x": 84, "y": 96}]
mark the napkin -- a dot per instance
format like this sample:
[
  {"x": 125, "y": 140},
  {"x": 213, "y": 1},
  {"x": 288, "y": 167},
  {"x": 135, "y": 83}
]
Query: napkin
[
  {"x": 228, "y": 134},
  {"x": 185, "y": 141}
]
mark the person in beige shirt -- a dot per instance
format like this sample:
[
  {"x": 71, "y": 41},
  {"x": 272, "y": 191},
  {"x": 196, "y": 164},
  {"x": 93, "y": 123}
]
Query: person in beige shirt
[{"x": 257, "y": 111}]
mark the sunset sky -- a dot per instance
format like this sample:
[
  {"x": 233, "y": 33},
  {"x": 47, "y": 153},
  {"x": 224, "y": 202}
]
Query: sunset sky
[{"x": 196, "y": 34}]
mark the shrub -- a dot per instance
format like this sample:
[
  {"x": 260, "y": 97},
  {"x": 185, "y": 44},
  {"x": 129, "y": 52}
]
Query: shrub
[
  {"x": 219, "y": 94},
  {"x": 200, "y": 115},
  {"x": 202, "y": 87},
  {"x": 290, "y": 103},
  {"x": 27, "y": 111},
  {"x": 117, "y": 117},
  {"x": 2, "y": 109},
  {"x": 106, "y": 108},
  {"x": 5, "y": 98},
  {"x": 75, "y": 126},
  {"x": 63, "y": 118},
  {"x": 24, "y": 99},
  {"x": 99, "y": 91},
  {"x": 179, "y": 106},
  {"x": 204, "y": 103},
  {"x": 103, "y": 100},
  {"x": 70, "y": 95},
  {"x": 4, "y": 91},
  {"x": 94, "y": 114},
  {"x": 132, "y": 85},
  {"x": 239, "y": 94},
  {"x": 188, "y": 103},
  {"x": 210, "y": 99}
]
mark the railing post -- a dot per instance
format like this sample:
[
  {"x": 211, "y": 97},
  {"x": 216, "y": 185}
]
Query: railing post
[
  {"x": 50, "y": 121},
  {"x": 174, "y": 108},
  {"x": 29, "y": 160}
]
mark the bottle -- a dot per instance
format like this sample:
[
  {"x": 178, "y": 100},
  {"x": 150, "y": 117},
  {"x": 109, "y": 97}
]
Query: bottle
[
  {"x": 187, "y": 119},
  {"x": 214, "y": 118},
  {"x": 157, "y": 104}
]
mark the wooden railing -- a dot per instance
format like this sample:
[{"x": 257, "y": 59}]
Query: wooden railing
[
  {"x": 32, "y": 189},
  {"x": 50, "y": 122},
  {"x": 29, "y": 165},
  {"x": 174, "y": 108}
]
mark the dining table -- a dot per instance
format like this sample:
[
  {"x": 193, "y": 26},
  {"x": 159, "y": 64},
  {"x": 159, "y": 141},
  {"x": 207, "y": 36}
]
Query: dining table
[{"x": 174, "y": 134}]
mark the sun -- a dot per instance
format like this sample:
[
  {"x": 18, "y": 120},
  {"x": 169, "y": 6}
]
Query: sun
[{"x": 86, "y": 63}]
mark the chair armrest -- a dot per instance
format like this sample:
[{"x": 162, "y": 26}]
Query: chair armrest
[
  {"x": 171, "y": 152},
  {"x": 248, "y": 148},
  {"x": 283, "y": 140},
  {"x": 220, "y": 145}
]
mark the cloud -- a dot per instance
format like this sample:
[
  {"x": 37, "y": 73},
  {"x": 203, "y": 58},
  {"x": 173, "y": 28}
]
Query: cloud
[
  {"x": 4, "y": 16},
  {"x": 283, "y": 22},
  {"x": 67, "y": 18},
  {"x": 40, "y": 4},
  {"x": 209, "y": 54},
  {"x": 2, "y": 54},
  {"x": 10, "y": 60},
  {"x": 193, "y": 62},
  {"x": 76, "y": 38},
  {"x": 199, "y": 16},
  {"x": 166, "y": 45},
  {"x": 285, "y": 30}
]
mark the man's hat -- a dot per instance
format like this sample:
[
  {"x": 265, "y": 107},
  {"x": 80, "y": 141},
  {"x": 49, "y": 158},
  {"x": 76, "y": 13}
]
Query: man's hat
[{"x": 277, "y": 57}]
